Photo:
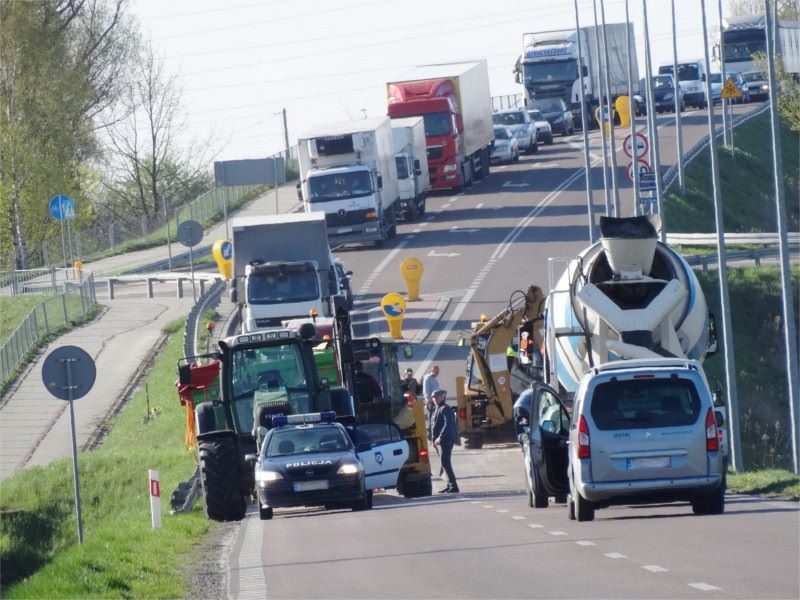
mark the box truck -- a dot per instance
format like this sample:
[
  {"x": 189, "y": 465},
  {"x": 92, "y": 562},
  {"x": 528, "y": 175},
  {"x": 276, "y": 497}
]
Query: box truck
[
  {"x": 548, "y": 66},
  {"x": 455, "y": 103},
  {"x": 348, "y": 173},
  {"x": 410, "y": 156}
]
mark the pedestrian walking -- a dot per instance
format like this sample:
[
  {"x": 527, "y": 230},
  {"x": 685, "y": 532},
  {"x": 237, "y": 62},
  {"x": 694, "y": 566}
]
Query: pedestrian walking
[
  {"x": 443, "y": 434},
  {"x": 429, "y": 385}
]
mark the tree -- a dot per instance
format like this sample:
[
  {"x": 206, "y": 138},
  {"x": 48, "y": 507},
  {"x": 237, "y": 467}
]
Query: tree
[{"x": 787, "y": 9}]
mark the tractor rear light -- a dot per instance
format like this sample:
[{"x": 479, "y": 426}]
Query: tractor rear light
[
  {"x": 583, "y": 439},
  {"x": 712, "y": 441},
  {"x": 462, "y": 413},
  {"x": 423, "y": 453}
]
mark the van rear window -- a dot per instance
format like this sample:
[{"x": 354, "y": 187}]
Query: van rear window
[{"x": 645, "y": 403}]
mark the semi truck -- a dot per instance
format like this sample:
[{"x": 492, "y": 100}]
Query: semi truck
[
  {"x": 410, "y": 156},
  {"x": 626, "y": 296},
  {"x": 455, "y": 103},
  {"x": 347, "y": 172},
  {"x": 282, "y": 268},
  {"x": 548, "y": 66},
  {"x": 744, "y": 36}
]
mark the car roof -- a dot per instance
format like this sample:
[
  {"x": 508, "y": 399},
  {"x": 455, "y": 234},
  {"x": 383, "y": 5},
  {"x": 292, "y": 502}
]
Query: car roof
[{"x": 647, "y": 364}]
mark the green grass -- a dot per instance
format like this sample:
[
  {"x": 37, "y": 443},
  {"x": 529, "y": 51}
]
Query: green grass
[
  {"x": 771, "y": 482},
  {"x": 122, "y": 557},
  {"x": 746, "y": 185}
]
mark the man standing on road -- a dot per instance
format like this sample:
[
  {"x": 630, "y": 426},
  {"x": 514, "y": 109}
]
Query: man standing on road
[
  {"x": 443, "y": 434},
  {"x": 429, "y": 385}
]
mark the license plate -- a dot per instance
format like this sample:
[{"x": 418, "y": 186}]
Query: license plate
[
  {"x": 306, "y": 486},
  {"x": 344, "y": 230},
  {"x": 649, "y": 462}
]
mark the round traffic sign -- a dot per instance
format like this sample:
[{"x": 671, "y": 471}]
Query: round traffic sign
[
  {"x": 190, "y": 233},
  {"x": 68, "y": 372},
  {"x": 642, "y": 166},
  {"x": 642, "y": 146},
  {"x": 62, "y": 208}
]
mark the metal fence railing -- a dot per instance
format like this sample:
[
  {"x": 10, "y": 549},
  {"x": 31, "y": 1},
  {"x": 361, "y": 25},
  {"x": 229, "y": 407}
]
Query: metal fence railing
[
  {"x": 507, "y": 101},
  {"x": 75, "y": 296}
]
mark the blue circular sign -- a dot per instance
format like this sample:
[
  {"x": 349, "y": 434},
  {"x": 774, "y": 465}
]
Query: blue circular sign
[
  {"x": 227, "y": 250},
  {"x": 62, "y": 208}
]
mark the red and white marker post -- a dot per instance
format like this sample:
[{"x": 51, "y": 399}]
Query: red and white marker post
[{"x": 155, "y": 499}]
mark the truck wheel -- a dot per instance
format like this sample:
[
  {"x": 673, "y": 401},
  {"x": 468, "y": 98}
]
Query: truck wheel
[
  {"x": 265, "y": 514},
  {"x": 418, "y": 489},
  {"x": 220, "y": 476},
  {"x": 473, "y": 441},
  {"x": 422, "y": 207},
  {"x": 413, "y": 211}
]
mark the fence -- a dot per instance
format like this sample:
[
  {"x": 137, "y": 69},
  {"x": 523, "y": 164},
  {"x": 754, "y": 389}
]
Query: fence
[
  {"x": 507, "y": 101},
  {"x": 75, "y": 297}
]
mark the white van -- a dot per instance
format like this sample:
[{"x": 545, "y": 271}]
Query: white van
[{"x": 692, "y": 81}]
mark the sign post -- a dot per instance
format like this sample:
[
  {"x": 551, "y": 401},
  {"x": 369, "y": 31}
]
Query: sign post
[
  {"x": 68, "y": 373},
  {"x": 62, "y": 208},
  {"x": 189, "y": 234}
]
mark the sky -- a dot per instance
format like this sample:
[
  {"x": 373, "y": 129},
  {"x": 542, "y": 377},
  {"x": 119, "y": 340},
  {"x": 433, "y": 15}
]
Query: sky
[{"x": 239, "y": 63}]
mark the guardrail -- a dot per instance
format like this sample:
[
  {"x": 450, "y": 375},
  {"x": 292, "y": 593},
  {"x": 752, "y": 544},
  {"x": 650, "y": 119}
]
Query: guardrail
[
  {"x": 710, "y": 239},
  {"x": 74, "y": 300},
  {"x": 192, "y": 328},
  {"x": 756, "y": 255}
]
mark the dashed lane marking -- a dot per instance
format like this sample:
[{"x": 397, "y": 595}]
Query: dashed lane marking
[
  {"x": 557, "y": 533},
  {"x": 518, "y": 517},
  {"x": 502, "y": 510},
  {"x": 479, "y": 205},
  {"x": 585, "y": 543},
  {"x": 535, "y": 525},
  {"x": 654, "y": 568},
  {"x": 704, "y": 587},
  {"x": 488, "y": 506},
  {"x": 615, "y": 555}
]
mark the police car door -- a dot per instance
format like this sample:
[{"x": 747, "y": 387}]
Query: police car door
[
  {"x": 386, "y": 455},
  {"x": 549, "y": 433}
]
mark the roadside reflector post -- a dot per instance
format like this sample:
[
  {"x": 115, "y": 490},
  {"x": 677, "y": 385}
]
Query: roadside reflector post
[
  {"x": 155, "y": 499},
  {"x": 393, "y": 306},
  {"x": 411, "y": 269}
]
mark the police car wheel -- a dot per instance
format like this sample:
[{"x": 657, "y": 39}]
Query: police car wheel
[{"x": 265, "y": 514}]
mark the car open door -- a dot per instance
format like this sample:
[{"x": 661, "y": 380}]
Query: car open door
[
  {"x": 387, "y": 453},
  {"x": 548, "y": 437}
]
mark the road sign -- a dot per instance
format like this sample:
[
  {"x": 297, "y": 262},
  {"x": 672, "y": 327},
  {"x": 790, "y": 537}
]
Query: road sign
[
  {"x": 730, "y": 89},
  {"x": 642, "y": 146},
  {"x": 647, "y": 182},
  {"x": 642, "y": 165},
  {"x": 62, "y": 208},
  {"x": 190, "y": 233},
  {"x": 68, "y": 373}
]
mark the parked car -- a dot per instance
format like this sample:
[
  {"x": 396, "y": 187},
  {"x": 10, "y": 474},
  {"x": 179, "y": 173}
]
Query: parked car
[
  {"x": 557, "y": 114},
  {"x": 505, "y": 148},
  {"x": 716, "y": 86},
  {"x": 740, "y": 83},
  {"x": 544, "y": 132},
  {"x": 757, "y": 85},
  {"x": 518, "y": 121},
  {"x": 644, "y": 431},
  {"x": 663, "y": 95}
]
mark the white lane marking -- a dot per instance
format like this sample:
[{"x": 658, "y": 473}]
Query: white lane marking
[
  {"x": 250, "y": 569},
  {"x": 502, "y": 510},
  {"x": 382, "y": 265},
  {"x": 444, "y": 254},
  {"x": 458, "y": 229},
  {"x": 654, "y": 568},
  {"x": 585, "y": 543},
  {"x": 476, "y": 502},
  {"x": 704, "y": 587},
  {"x": 518, "y": 517},
  {"x": 425, "y": 224},
  {"x": 417, "y": 230},
  {"x": 535, "y": 526},
  {"x": 551, "y": 164},
  {"x": 615, "y": 555},
  {"x": 479, "y": 204},
  {"x": 557, "y": 532},
  {"x": 488, "y": 506},
  {"x": 508, "y": 184}
]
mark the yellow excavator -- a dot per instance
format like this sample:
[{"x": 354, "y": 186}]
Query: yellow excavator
[{"x": 498, "y": 370}]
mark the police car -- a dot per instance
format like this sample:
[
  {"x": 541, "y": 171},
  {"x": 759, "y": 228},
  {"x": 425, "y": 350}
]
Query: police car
[{"x": 311, "y": 460}]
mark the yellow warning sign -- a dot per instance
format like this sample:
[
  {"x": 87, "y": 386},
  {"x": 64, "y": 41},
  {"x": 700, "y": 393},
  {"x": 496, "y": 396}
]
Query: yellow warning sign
[{"x": 730, "y": 89}]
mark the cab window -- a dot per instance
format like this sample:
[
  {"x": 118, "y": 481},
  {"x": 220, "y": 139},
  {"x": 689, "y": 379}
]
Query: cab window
[{"x": 552, "y": 416}]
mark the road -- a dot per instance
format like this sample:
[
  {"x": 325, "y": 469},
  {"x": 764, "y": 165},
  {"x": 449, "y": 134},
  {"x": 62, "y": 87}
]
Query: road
[{"x": 477, "y": 247}]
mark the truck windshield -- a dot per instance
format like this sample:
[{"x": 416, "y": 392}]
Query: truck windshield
[
  {"x": 556, "y": 70},
  {"x": 686, "y": 72},
  {"x": 268, "y": 375},
  {"x": 281, "y": 288},
  {"x": 741, "y": 45},
  {"x": 402, "y": 167},
  {"x": 437, "y": 124},
  {"x": 339, "y": 186}
]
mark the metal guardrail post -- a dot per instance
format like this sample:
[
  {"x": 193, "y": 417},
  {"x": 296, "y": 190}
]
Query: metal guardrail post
[
  {"x": 149, "y": 287},
  {"x": 110, "y": 287}
]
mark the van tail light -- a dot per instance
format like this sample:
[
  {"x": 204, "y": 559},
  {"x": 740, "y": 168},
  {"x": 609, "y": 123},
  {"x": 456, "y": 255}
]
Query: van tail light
[
  {"x": 583, "y": 439},
  {"x": 712, "y": 441}
]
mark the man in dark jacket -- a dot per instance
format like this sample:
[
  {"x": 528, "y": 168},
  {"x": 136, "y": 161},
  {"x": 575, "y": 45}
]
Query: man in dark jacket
[{"x": 443, "y": 432}]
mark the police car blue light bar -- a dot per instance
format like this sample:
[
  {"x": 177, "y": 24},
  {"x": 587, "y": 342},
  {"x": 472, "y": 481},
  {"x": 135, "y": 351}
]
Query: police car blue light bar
[{"x": 326, "y": 417}]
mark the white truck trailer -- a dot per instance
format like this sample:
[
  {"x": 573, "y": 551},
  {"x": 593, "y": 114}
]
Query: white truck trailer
[
  {"x": 282, "y": 268},
  {"x": 348, "y": 172},
  {"x": 410, "y": 156},
  {"x": 744, "y": 36},
  {"x": 548, "y": 66}
]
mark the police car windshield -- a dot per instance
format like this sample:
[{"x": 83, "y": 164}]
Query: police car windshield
[{"x": 306, "y": 439}]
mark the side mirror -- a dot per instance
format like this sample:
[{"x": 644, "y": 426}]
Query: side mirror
[
  {"x": 703, "y": 76},
  {"x": 550, "y": 426},
  {"x": 417, "y": 167},
  {"x": 251, "y": 458},
  {"x": 380, "y": 182},
  {"x": 184, "y": 374},
  {"x": 585, "y": 71},
  {"x": 408, "y": 351},
  {"x": 348, "y": 274},
  {"x": 459, "y": 123},
  {"x": 517, "y": 77}
]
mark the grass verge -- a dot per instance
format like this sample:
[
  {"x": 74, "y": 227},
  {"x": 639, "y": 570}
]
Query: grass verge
[
  {"x": 122, "y": 556},
  {"x": 774, "y": 483}
]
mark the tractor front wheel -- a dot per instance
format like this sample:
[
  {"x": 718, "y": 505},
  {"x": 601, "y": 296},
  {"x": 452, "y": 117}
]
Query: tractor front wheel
[{"x": 220, "y": 476}]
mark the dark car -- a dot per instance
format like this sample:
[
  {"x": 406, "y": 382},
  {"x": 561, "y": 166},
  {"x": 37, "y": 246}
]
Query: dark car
[
  {"x": 313, "y": 461},
  {"x": 757, "y": 85},
  {"x": 543, "y": 431},
  {"x": 663, "y": 94},
  {"x": 557, "y": 114},
  {"x": 740, "y": 83}
]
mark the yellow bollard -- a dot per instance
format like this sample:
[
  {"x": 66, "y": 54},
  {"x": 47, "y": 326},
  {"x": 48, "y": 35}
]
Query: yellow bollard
[
  {"x": 78, "y": 266},
  {"x": 602, "y": 123},
  {"x": 624, "y": 109},
  {"x": 411, "y": 269},
  {"x": 393, "y": 306},
  {"x": 222, "y": 251}
]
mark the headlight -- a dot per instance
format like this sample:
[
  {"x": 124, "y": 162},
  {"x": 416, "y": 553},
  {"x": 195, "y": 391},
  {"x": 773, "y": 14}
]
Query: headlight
[
  {"x": 266, "y": 476},
  {"x": 450, "y": 168},
  {"x": 349, "y": 469},
  {"x": 765, "y": 87}
]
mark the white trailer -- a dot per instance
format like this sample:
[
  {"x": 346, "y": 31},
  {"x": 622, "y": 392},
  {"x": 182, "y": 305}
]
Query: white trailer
[
  {"x": 413, "y": 179},
  {"x": 548, "y": 66},
  {"x": 348, "y": 172},
  {"x": 282, "y": 268}
]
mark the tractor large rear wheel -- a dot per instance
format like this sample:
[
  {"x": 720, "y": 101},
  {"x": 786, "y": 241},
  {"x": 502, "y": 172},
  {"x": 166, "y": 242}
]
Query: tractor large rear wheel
[{"x": 220, "y": 476}]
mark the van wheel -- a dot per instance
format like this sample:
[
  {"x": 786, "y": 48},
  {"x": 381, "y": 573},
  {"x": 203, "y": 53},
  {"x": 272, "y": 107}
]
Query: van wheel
[
  {"x": 570, "y": 508},
  {"x": 584, "y": 510},
  {"x": 710, "y": 504},
  {"x": 265, "y": 514},
  {"x": 540, "y": 498},
  {"x": 530, "y": 498}
]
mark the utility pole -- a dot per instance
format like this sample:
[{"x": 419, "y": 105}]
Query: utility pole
[
  {"x": 725, "y": 303},
  {"x": 725, "y": 137},
  {"x": 614, "y": 187},
  {"x": 678, "y": 103},
  {"x": 789, "y": 328},
  {"x": 585, "y": 130},
  {"x": 286, "y": 134},
  {"x": 634, "y": 158},
  {"x": 606, "y": 190},
  {"x": 651, "y": 112}
]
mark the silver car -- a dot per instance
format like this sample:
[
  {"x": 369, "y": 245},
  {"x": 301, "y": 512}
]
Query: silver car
[
  {"x": 543, "y": 129},
  {"x": 644, "y": 431},
  {"x": 520, "y": 124},
  {"x": 506, "y": 148}
]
